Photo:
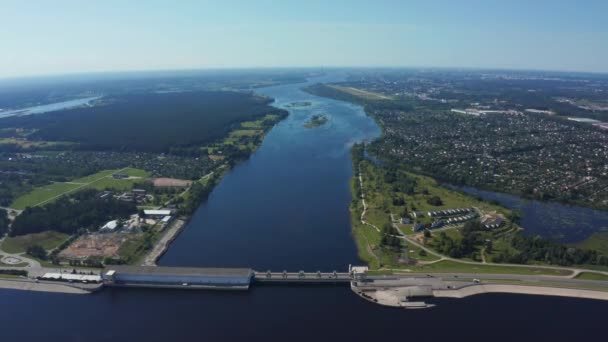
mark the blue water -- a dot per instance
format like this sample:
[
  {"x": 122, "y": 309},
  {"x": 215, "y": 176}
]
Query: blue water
[
  {"x": 51, "y": 107},
  {"x": 286, "y": 208},
  {"x": 564, "y": 223}
]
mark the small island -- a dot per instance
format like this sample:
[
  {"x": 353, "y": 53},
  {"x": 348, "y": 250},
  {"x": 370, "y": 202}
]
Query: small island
[
  {"x": 299, "y": 104},
  {"x": 316, "y": 121}
]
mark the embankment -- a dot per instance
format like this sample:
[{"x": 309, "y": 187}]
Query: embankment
[{"x": 521, "y": 289}]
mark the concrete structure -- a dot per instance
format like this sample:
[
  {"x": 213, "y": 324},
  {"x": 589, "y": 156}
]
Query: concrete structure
[
  {"x": 159, "y": 213},
  {"x": 82, "y": 278},
  {"x": 178, "y": 277},
  {"x": 110, "y": 225}
]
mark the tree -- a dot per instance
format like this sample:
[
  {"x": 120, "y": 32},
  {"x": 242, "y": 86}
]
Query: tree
[
  {"x": 489, "y": 246},
  {"x": 422, "y": 253},
  {"x": 37, "y": 252},
  {"x": 435, "y": 200},
  {"x": 427, "y": 233},
  {"x": 4, "y": 222}
]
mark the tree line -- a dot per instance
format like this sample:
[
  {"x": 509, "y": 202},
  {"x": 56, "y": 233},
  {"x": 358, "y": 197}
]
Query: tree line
[{"x": 69, "y": 214}]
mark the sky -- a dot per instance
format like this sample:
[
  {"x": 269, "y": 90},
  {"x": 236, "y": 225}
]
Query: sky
[{"x": 40, "y": 37}]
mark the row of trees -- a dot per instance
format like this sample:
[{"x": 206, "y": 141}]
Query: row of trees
[{"x": 537, "y": 249}]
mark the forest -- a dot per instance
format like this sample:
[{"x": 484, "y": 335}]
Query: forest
[{"x": 149, "y": 122}]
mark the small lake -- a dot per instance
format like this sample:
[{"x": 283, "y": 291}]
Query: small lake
[{"x": 563, "y": 223}]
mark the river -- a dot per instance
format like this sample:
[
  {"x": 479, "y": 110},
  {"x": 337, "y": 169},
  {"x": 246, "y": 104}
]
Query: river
[{"x": 285, "y": 208}]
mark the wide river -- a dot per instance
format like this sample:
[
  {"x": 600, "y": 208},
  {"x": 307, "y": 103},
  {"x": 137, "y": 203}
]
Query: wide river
[{"x": 286, "y": 208}]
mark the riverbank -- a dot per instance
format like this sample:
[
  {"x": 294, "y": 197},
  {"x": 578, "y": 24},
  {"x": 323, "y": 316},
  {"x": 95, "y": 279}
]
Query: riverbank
[{"x": 165, "y": 241}]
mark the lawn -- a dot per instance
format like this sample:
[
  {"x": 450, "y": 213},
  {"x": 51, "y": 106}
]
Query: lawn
[
  {"x": 592, "y": 276},
  {"x": 48, "y": 240},
  {"x": 115, "y": 184},
  {"x": 447, "y": 266},
  {"x": 42, "y": 194},
  {"x": 597, "y": 241},
  {"x": 91, "y": 178}
]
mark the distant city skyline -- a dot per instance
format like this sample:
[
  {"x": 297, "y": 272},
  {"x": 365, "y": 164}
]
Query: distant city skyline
[{"x": 66, "y": 36}]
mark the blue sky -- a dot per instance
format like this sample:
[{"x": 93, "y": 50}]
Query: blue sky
[{"x": 56, "y": 37}]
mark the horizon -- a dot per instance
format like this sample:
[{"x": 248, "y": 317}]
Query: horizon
[
  {"x": 63, "y": 38},
  {"x": 171, "y": 72}
]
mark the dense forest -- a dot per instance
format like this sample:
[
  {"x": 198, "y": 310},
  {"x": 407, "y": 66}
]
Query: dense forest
[
  {"x": 82, "y": 210},
  {"x": 147, "y": 122}
]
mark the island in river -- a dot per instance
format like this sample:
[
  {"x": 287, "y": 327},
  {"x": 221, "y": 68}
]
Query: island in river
[{"x": 316, "y": 121}]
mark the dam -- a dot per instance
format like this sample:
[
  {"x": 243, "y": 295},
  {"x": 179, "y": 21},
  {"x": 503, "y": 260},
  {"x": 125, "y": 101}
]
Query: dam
[{"x": 217, "y": 278}]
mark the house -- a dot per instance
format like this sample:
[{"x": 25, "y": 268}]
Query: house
[
  {"x": 493, "y": 223},
  {"x": 418, "y": 227},
  {"x": 437, "y": 224},
  {"x": 417, "y": 214}
]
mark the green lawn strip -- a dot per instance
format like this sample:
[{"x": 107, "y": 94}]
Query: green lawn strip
[
  {"x": 47, "y": 240},
  {"x": 592, "y": 276},
  {"x": 95, "y": 176},
  {"x": 42, "y": 194},
  {"x": 9, "y": 276},
  {"x": 448, "y": 266}
]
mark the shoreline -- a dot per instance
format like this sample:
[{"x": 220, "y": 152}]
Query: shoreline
[
  {"x": 161, "y": 247},
  {"x": 472, "y": 290}
]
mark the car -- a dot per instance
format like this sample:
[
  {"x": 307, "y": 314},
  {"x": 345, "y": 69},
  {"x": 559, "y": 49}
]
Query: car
[
  {"x": 185, "y": 284},
  {"x": 476, "y": 281}
]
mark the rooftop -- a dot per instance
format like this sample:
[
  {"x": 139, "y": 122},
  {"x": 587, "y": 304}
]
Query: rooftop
[{"x": 195, "y": 271}]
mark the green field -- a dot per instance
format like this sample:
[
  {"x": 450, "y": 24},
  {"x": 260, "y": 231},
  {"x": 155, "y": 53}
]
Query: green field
[
  {"x": 100, "y": 181},
  {"x": 48, "y": 240},
  {"x": 592, "y": 276},
  {"x": 42, "y": 195}
]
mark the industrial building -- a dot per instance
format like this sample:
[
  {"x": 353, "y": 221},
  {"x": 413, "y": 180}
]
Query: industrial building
[{"x": 178, "y": 277}]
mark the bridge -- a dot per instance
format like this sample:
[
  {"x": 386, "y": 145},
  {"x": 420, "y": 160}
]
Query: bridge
[{"x": 302, "y": 277}]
